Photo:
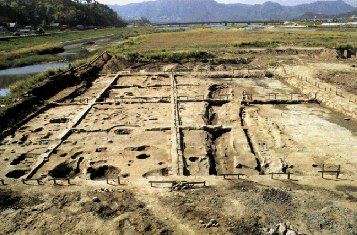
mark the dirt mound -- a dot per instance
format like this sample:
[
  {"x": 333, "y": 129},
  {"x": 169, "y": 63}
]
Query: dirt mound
[
  {"x": 101, "y": 171},
  {"x": 327, "y": 54},
  {"x": 274, "y": 195},
  {"x": 159, "y": 172},
  {"x": 115, "y": 65},
  {"x": 8, "y": 199},
  {"x": 138, "y": 149},
  {"x": 85, "y": 212},
  {"x": 345, "y": 79},
  {"x": 202, "y": 67},
  {"x": 69, "y": 168},
  {"x": 250, "y": 225},
  {"x": 12, "y": 200}
]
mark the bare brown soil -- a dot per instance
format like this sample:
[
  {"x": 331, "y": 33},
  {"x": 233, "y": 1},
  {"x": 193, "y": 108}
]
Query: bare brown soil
[
  {"x": 189, "y": 122},
  {"x": 345, "y": 79}
]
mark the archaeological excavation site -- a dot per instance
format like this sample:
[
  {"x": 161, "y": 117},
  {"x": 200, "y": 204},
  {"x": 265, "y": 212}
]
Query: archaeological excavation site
[{"x": 185, "y": 148}]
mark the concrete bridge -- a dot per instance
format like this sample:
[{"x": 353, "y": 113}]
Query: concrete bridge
[{"x": 225, "y": 23}]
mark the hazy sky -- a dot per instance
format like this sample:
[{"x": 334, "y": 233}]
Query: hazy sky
[{"x": 122, "y": 2}]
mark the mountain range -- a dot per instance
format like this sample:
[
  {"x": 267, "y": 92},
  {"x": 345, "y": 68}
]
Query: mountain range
[
  {"x": 210, "y": 10},
  {"x": 282, "y": 2}
]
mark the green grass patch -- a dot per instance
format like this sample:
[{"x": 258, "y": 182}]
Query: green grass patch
[
  {"x": 7, "y": 80},
  {"x": 344, "y": 46},
  {"x": 273, "y": 63},
  {"x": 24, "y": 85}
]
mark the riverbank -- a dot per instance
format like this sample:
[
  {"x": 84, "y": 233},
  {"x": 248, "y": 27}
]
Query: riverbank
[
  {"x": 23, "y": 51},
  {"x": 22, "y": 58},
  {"x": 33, "y": 94},
  {"x": 11, "y": 76}
]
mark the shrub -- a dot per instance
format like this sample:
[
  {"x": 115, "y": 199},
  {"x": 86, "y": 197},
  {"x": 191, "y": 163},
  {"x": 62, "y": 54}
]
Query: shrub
[
  {"x": 269, "y": 74},
  {"x": 344, "y": 46},
  {"x": 259, "y": 44},
  {"x": 273, "y": 63},
  {"x": 22, "y": 86}
]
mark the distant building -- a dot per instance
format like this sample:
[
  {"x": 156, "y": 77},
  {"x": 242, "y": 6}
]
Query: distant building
[
  {"x": 12, "y": 27},
  {"x": 54, "y": 25},
  {"x": 289, "y": 24},
  {"x": 334, "y": 24},
  {"x": 80, "y": 27},
  {"x": 218, "y": 26},
  {"x": 172, "y": 27},
  {"x": 240, "y": 25},
  {"x": 254, "y": 27},
  {"x": 64, "y": 27},
  {"x": 25, "y": 31}
]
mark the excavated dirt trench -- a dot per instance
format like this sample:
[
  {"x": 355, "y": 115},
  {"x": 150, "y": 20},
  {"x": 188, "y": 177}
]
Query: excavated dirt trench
[
  {"x": 242, "y": 114},
  {"x": 212, "y": 140}
]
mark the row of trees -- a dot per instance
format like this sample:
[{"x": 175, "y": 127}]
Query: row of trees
[{"x": 69, "y": 12}]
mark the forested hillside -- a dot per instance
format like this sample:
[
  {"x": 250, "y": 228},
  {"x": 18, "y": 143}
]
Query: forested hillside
[{"x": 69, "y": 12}]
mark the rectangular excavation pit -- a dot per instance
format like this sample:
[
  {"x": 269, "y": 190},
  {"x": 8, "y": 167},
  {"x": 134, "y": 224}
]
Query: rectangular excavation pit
[
  {"x": 143, "y": 80},
  {"x": 135, "y": 154},
  {"x": 192, "y": 92},
  {"x": 105, "y": 116},
  {"x": 192, "y": 114},
  {"x": 260, "y": 88},
  {"x": 195, "y": 152},
  {"x": 283, "y": 134},
  {"x": 36, "y": 136},
  {"x": 96, "y": 87},
  {"x": 208, "y": 152},
  {"x": 139, "y": 92},
  {"x": 47, "y": 125},
  {"x": 192, "y": 80}
]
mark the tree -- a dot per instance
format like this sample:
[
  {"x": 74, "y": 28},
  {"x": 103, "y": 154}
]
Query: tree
[{"x": 69, "y": 12}]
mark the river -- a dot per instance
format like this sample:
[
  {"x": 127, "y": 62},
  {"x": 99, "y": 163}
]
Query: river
[{"x": 9, "y": 76}]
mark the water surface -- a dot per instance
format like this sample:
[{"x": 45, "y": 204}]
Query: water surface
[
  {"x": 4, "y": 91},
  {"x": 10, "y": 76},
  {"x": 37, "y": 68}
]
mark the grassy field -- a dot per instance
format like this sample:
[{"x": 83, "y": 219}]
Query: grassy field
[
  {"x": 30, "y": 50},
  {"x": 217, "y": 39}
]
